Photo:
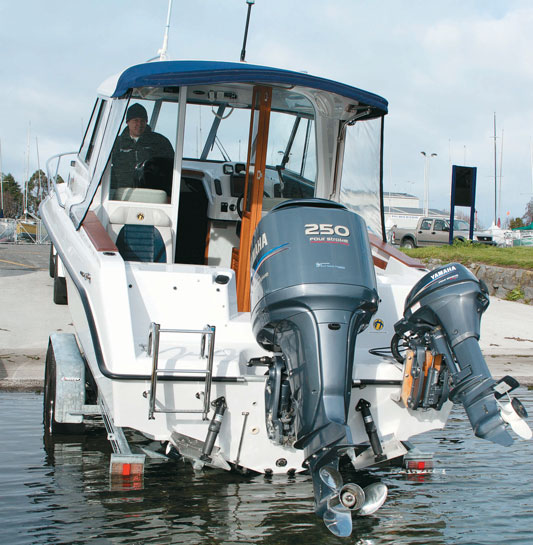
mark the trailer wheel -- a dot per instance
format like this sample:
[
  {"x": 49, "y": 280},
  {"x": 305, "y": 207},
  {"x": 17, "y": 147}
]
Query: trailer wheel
[
  {"x": 52, "y": 262},
  {"x": 60, "y": 285},
  {"x": 51, "y": 426}
]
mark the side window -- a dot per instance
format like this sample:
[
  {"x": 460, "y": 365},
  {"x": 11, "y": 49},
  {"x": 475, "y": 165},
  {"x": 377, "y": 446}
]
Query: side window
[
  {"x": 439, "y": 225},
  {"x": 426, "y": 225},
  {"x": 89, "y": 140}
]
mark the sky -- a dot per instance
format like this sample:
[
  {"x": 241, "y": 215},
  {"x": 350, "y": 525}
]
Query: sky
[{"x": 447, "y": 68}]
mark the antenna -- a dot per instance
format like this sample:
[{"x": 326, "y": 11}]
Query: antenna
[
  {"x": 243, "y": 51},
  {"x": 163, "y": 51}
]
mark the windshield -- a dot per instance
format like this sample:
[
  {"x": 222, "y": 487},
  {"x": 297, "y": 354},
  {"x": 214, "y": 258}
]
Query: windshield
[
  {"x": 361, "y": 172},
  {"x": 460, "y": 225},
  {"x": 220, "y": 131}
]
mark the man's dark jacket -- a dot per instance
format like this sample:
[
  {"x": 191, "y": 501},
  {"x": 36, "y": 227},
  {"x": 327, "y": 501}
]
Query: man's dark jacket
[{"x": 129, "y": 154}]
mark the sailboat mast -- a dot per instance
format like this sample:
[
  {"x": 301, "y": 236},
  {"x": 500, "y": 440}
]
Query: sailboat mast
[
  {"x": 25, "y": 193},
  {"x": 500, "y": 187},
  {"x": 495, "y": 175}
]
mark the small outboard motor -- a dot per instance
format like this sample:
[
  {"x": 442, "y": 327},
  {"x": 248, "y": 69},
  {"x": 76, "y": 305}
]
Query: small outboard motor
[
  {"x": 442, "y": 316},
  {"x": 313, "y": 289}
]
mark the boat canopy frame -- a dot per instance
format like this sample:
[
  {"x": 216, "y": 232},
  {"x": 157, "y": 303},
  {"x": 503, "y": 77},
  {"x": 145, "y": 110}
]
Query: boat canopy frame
[{"x": 178, "y": 73}]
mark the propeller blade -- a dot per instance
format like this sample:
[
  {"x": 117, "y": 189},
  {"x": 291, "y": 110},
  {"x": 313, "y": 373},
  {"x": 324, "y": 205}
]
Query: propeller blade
[
  {"x": 512, "y": 417},
  {"x": 338, "y": 520},
  {"x": 375, "y": 496},
  {"x": 331, "y": 477}
]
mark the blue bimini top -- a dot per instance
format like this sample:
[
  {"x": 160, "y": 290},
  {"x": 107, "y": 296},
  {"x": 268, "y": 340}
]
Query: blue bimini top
[{"x": 176, "y": 73}]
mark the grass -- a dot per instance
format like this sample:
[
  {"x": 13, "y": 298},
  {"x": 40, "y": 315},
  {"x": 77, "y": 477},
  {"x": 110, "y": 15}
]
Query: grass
[{"x": 466, "y": 252}]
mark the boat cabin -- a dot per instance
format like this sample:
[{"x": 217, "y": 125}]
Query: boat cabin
[{"x": 181, "y": 159}]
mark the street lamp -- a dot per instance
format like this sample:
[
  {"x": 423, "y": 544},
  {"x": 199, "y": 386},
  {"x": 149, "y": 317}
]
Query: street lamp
[{"x": 426, "y": 180}]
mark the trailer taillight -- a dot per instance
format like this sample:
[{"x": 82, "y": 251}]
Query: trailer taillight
[{"x": 418, "y": 462}]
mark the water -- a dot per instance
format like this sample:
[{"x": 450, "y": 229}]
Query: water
[{"x": 61, "y": 493}]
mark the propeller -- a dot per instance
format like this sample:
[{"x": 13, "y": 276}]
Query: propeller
[
  {"x": 514, "y": 413},
  {"x": 341, "y": 500}
]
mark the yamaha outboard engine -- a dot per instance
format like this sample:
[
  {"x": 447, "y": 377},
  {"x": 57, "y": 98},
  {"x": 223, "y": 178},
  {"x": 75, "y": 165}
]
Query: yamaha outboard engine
[
  {"x": 442, "y": 320},
  {"x": 313, "y": 289}
]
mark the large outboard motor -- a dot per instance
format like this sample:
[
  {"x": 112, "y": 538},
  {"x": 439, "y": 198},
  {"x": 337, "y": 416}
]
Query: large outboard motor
[
  {"x": 442, "y": 316},
  {"x": 313, "y": 289}
]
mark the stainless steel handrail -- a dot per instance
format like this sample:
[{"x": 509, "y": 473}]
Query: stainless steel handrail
[
  {"x": 153, "y": 350},
  {"x": 53, "y": 178}
]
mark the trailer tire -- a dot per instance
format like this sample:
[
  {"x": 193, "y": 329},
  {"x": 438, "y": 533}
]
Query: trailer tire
[
  {"x": 60, "y": 286},
  {"x": 52, "y": 262},
  {"x": 51, "y": 426}
]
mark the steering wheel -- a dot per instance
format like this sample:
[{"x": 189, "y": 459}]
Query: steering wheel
[
  {"x": 239, "y": 205},
  {"x": 240, "y": 200}
]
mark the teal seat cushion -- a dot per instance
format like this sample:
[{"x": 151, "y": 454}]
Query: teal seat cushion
[{"x": 141, "y": 243}]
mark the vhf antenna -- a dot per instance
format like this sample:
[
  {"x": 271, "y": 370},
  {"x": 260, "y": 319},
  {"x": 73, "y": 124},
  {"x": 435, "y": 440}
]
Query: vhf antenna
[
  {"x": 243, "y": 52},
  {"x": 163, "y": 51}
]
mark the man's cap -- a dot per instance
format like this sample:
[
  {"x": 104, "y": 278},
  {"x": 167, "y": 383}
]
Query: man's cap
[{"x": 136, "y": 111}]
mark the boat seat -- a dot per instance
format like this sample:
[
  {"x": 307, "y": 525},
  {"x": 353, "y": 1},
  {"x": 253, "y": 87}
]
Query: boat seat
[
  {"x": 140, "y": 194},
  {"x": 141, "y": 243},
  {"x": 141, "y": 233}
]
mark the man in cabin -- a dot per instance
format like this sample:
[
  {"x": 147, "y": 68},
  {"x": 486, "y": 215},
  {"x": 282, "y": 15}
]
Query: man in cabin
[{"x": 141, "y": 157}]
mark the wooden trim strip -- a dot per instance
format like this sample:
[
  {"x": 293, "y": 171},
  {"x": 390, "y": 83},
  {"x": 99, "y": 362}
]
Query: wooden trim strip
[
  {"x": 97, "y": 233},
  {"x": 393, "y": 252}
]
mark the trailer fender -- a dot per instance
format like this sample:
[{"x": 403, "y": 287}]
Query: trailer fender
[{"x": 70, "y": 378}]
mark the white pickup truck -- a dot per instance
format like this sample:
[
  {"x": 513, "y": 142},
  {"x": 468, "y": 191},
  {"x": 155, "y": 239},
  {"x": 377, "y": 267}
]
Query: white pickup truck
[{"x": 435, "y": 231}]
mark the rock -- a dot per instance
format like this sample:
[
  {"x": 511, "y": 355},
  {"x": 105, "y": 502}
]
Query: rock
[
  {"x": 528, "y": 293},
  {"x": 501, "y": 292}
]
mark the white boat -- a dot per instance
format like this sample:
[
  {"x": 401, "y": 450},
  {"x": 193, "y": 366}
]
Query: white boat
[{"x": 234, "y": 299}]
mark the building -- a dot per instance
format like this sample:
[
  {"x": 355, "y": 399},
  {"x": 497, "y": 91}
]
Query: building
[{"x": 404, "y": 211}]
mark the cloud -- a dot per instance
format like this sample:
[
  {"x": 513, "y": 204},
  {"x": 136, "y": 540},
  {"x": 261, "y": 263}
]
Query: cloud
[{"x": 444, "y": 67}]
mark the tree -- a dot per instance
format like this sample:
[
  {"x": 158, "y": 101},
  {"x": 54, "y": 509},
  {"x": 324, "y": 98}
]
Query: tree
[
  {"x": 12, "y": 196},
  {"x": 37, "y": 189},
  {"x": 515, "y": 223},
  {"x": 528, "y": 214}
]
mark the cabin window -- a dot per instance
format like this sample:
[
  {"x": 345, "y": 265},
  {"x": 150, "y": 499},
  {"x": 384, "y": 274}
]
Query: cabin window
[
  {"x": 291, "y": 156},
  {"x": 142, "y": 158},
  {"x": 361, "y": 171},
  {"x": 89, "y": 140}
]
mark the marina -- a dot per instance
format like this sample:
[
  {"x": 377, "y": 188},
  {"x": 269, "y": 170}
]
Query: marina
[{"x": 218, "y": 344}]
